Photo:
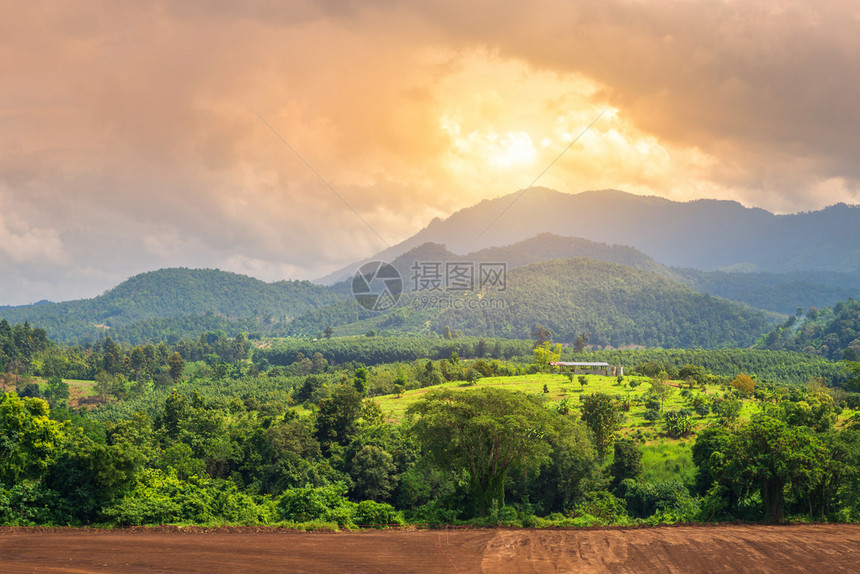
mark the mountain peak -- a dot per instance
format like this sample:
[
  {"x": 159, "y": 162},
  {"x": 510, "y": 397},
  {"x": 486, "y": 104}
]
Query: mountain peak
[{"x": 705, "y": 234}]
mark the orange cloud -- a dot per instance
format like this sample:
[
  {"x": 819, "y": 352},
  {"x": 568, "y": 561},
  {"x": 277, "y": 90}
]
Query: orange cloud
[{"x": 128, "y": 133}]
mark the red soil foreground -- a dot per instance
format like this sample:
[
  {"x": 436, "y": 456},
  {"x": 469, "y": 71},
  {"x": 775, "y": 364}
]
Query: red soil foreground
[{"x": 802, "y": 548}]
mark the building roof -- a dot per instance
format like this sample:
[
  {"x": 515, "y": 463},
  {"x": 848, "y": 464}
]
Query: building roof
[{"x": 566, "y": 364}]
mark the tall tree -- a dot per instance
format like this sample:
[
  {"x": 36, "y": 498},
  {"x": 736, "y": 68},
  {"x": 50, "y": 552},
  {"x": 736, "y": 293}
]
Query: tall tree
[
  {"x": 337, "y": 416},
  {"x": 768, "y": 456},
  {"x": 487, "y": 432},
  {"x": 541, "y": 335},
  {"x": 581, "y": 342},
  {"x": 373, "y": 472},
  {"x": 176, "y": 364},
  {"x": 627, "y": 462},
  {"x": 28, "y": 438},
  {"x": 545, "y": 354},
  {"x": 601, "y": 416}
]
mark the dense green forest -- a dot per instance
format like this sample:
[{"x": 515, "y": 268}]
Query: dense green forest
[
  {"x": 617, "y": 305},
  {"x": 217, "y": 429},
  {"x": 779, "y": 292},
  {"x": 379, "y": 350},
  {"x": 229, "y": 450},
  {"x": 832, "y": 332}
]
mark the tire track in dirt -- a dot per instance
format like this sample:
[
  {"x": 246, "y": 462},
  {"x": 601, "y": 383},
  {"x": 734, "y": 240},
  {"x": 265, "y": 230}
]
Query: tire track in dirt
[{"x": 719, "y": 549}]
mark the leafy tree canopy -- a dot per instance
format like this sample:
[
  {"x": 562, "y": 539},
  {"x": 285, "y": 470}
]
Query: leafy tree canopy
[{"x": 487, "y": 432}]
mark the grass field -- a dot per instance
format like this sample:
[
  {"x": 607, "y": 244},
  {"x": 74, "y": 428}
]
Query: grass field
[
  {"x": 559, "y": 387},
  {"x": 663, "y": 457}
]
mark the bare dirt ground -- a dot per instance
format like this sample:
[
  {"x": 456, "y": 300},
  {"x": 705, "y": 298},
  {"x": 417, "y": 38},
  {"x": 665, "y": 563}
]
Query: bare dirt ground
[{"x": 803, "y": 548}]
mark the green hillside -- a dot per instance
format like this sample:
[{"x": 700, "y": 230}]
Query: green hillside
[
  {"x": 776, "y": 292},
  {"x": 175, "y": 301},
  {"x": 616, "y": 304},
  {"x": 832, "y": 332}
]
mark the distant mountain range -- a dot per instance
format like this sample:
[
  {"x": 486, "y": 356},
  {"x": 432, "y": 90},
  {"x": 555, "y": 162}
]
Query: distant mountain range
[
  {"x": 778, "y": 292},
  {"x": 618, "y": 293},
  {"x": 704, "y": 234}
]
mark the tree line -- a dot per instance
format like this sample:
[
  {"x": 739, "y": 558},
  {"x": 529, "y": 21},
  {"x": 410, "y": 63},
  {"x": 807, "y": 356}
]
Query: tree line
[{"x": 480, "y": 455}]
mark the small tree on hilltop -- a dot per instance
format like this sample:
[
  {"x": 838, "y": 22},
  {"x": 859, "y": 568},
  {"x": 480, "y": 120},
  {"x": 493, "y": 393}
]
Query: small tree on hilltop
[{"x": 660, "y": 390}]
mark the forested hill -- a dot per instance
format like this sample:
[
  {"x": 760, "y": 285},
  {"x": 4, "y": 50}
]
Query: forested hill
[
  {"x": 548, "y": 246},
  {"x": 174, "y": 302},
  {"x": 832, "y": 332},
  {"x": 777, "y": 292},
  {"x": 541, "y": 247},
  {"x": 617, "y": 305}
]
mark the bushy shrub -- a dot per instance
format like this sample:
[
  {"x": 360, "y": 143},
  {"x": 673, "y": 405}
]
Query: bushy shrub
[
  {"x": 644, "y": 500},
  {"x": 29, "y": 503},
  {"x": 370, "y": 513},
  {"x": 602, "y": 505},
  {"x": 325, "y": 504},
  {"x": 651, "y": 415},
  {"x": 435, "y": 512},
  {"x": 162, "y": 498}
]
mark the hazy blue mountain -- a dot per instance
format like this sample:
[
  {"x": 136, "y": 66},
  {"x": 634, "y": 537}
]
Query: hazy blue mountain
[
  {"x": 778, "y": 292},
  {"x": 703, "y": 234}
]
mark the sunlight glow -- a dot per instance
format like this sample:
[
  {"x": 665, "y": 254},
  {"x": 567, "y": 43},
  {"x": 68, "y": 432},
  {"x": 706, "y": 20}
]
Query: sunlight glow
[{"x": 513, "y": 149}]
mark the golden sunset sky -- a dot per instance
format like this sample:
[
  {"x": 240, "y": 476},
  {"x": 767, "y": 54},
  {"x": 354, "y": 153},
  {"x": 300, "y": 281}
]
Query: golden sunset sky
[{"x": 130, "y": 140}]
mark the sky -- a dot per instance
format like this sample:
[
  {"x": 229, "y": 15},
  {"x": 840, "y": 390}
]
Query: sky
[{"x": 284, "y": 140}]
